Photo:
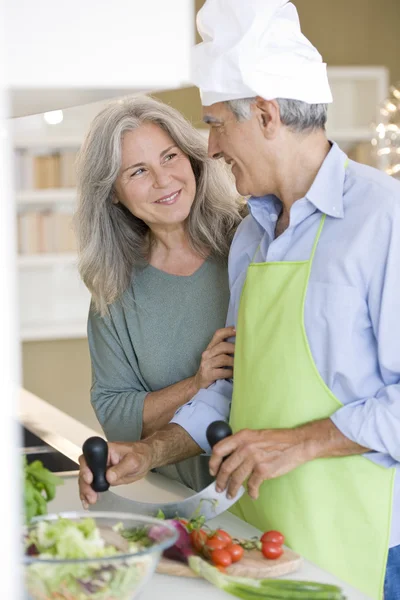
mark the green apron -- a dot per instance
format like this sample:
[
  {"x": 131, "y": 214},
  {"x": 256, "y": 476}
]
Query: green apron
[{"x": 336, "y": 512}]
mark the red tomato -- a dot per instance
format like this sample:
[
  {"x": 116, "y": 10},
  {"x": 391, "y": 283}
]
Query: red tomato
[
  {"x": 235, "y": 551},
  {"x": 272, "y": 536},
  {"x": 272, "y": 550},
  {"x": 222, "y": 569},
  {"x": 221, "y": 558},
  {"x": 213, "y": 543},
  {"x": 224, "y": 536},
  {"x": 198, "y": 538}
]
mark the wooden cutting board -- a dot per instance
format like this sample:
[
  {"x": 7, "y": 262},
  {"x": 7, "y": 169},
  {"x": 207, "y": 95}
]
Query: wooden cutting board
[{"x": 253, "y": 564}]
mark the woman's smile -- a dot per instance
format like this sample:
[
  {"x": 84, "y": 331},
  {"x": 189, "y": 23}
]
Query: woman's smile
[{"x": 170, "y": 199}]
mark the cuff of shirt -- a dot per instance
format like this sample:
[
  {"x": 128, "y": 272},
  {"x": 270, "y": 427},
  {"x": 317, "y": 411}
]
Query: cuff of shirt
[
  {"x": 366, "y": 423},
  {"x": 195, "y": 416}
]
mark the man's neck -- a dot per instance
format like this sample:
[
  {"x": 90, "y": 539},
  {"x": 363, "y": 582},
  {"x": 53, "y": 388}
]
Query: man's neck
[{"x": 299, "y": 165}]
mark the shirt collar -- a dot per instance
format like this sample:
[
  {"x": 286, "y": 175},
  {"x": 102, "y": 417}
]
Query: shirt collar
[{"x": 326, "y": 192}]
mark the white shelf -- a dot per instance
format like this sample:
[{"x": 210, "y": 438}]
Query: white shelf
[
  {"x": 54, "y": 331},
  {"x": 34, "y": 142},
  {"x": 46, "y": 196},
  {"x": 47, "y": 260}
]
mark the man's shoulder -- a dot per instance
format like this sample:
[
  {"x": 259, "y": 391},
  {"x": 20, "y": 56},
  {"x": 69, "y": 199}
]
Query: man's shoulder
[
  {"x": 243, "y": 248},
  {"x": 247, "y": 233},
  {"x": 375, "y": 190}
]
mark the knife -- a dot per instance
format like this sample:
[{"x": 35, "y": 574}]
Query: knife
[{"x": 208, "y": 503}]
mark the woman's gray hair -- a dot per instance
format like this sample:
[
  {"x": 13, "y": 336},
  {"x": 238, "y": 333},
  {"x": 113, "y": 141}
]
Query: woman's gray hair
[
  {"x": 297, "y": 115},
  {"x": 111, "y": 240}
]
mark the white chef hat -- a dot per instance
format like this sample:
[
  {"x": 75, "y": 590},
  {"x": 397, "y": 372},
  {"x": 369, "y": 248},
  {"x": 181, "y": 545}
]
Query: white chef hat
[{"x": 256, "y": 48}]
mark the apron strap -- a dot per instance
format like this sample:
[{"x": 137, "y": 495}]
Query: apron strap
[{"x": 315, "y": 244}]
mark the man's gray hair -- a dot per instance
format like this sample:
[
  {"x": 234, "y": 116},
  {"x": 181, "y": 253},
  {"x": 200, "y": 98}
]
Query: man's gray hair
[{"x": 297, "y": 115}]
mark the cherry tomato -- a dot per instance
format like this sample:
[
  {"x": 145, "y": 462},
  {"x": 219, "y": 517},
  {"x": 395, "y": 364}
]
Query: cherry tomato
[
  {"x": 272, "y": 536},
  {"x": 213, "y": 543},
  {"x": 221, "y": 558},
  {"x": 222, "y": 569},
  {"x": 271, "y": 550},
  {"x": 224, "y": 536},
  {"x": 198, "y": 538},
  {"x": 235, "y": 551}
]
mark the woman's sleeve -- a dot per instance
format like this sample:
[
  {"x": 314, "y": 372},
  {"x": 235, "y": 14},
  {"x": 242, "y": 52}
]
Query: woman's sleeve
[{"x": 117, "y": 395}]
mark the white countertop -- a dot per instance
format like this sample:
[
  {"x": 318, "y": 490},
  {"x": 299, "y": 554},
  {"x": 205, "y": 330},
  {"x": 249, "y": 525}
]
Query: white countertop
[{"x": 67, "y": 435}]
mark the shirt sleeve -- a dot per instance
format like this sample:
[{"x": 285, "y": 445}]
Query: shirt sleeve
[
  {"x": 211, "y": 404},
  {"x": 375, "y": 422},
  {"x": 117, "y": 395}
]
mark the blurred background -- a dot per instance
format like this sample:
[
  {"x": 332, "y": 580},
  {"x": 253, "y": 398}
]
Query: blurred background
[{"x": 358, "y": 40}]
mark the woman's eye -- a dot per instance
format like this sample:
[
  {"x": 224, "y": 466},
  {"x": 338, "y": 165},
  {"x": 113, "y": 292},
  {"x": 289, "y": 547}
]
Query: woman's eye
[
  {"x": 170, "y": 156},
  {"x": 138, "y": 172}
]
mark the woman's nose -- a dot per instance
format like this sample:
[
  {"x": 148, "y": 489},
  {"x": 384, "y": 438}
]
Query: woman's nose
[{"x": 161, "y": 179}]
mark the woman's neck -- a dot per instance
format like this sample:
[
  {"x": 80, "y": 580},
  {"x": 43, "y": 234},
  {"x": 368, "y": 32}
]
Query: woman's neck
[
  {"x": 170, "y": 251},
  {"x": 168, "y": 239}
]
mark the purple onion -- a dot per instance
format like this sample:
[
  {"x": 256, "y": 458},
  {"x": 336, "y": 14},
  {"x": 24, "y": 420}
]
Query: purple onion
[{"x": 182, "y": 548}]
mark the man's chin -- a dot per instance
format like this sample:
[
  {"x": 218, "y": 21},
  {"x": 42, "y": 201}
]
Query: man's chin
[{"x": 241, "y": 188}]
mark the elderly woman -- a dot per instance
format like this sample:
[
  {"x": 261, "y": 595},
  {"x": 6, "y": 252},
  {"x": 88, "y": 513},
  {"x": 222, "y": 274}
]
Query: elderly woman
[{"x": 154, "y": 224}]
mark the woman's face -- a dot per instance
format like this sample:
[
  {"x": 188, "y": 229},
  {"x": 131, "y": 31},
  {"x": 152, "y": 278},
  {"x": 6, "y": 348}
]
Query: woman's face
[{"x": 156, "y": 181}]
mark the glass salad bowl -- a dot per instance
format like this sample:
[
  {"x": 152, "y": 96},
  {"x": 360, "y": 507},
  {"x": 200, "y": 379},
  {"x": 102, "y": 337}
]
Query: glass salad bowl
[{"x": 96, "y": 555}]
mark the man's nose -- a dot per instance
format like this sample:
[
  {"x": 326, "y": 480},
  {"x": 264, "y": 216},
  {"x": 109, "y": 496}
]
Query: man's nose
[{"x": 214, "y": 150}]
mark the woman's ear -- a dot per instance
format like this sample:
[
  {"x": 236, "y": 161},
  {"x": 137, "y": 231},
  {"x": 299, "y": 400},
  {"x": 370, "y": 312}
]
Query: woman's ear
[
  {"x": 114, "y": 199},
  {"x": 268, "y": 116}
]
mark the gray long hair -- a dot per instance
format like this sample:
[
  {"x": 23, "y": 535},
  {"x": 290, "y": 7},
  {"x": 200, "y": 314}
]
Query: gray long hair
[
  {"x": 111, "y": 240},
  {"x": 295, "y": 114}
]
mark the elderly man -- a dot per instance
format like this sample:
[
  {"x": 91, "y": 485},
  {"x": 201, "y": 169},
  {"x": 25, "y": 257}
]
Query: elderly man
[{"x": 315, "y": 283}]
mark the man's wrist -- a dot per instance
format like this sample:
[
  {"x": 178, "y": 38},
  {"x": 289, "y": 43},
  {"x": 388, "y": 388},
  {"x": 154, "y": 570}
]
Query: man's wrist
[
  {"x": 192, "y": 388},
  {"x": 316, "y": 439},
  {"x": 148, "y": 448},
  {"x": 322, "y": 439}
]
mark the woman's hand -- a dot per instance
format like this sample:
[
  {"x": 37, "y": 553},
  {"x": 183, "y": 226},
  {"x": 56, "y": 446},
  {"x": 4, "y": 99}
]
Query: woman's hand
[
  {"x": 127, "y": 462},
  {"x": 217, "y": 359}
]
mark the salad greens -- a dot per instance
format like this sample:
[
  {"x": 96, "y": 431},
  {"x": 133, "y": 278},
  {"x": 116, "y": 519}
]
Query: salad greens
[
  {"x": 73, "y": 561},
  {"x": 39, "y": 488},
  {"x": 67, "y": 539}
]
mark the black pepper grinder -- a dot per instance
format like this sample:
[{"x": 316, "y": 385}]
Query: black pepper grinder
[
  {"x": 217, "y": 431},
  {"x": 95, "y": 451}
]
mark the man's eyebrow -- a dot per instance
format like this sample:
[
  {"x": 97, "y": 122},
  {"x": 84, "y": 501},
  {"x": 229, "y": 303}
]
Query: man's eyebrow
[
  {"x": 211, "y": 120},
  {"x": 141, "y": 164}
]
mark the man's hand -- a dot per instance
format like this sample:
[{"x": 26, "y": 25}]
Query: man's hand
[
  {"x": 127, "y": 462},
  {"x": 256, "y": 455},
  {"x": 263, "y": 454}
]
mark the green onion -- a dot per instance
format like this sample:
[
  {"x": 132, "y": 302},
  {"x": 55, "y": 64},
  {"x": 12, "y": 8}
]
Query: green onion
[{"x": 267, "y": 589}]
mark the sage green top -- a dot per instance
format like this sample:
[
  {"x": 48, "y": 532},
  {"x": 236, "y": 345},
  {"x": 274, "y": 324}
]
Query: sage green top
[{"x": 154, "y": 337}]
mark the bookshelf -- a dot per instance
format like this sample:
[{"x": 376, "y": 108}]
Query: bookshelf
[{"x": 53, "y": 301}]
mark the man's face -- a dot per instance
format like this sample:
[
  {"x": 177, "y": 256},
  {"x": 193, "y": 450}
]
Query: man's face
[{"x": 242, "y": 145}]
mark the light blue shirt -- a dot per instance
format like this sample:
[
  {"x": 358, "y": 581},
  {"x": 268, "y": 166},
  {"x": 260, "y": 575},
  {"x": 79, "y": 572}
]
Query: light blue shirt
[{"x": 352, "y": 308}]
